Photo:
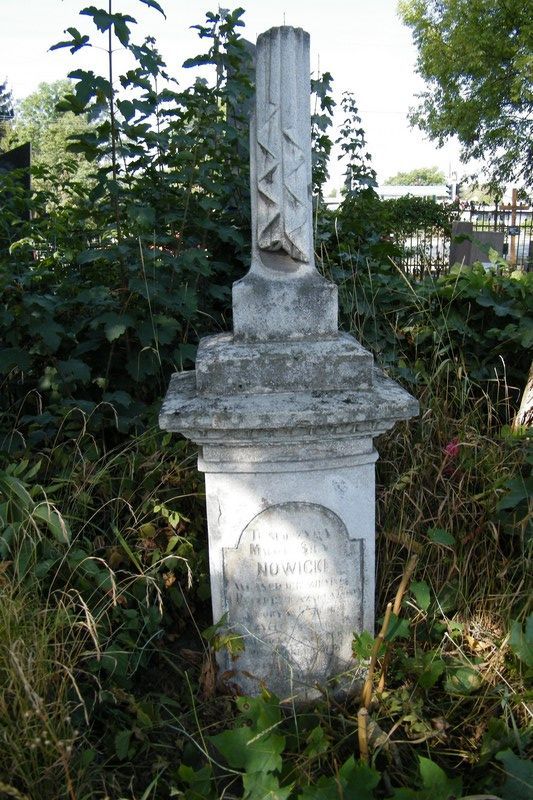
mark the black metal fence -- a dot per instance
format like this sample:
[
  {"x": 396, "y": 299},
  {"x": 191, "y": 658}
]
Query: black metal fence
[
  {"x": 425, "y": 251},
  {"x": 428, "y": 250},
  {"x": 516, "y": 224}
]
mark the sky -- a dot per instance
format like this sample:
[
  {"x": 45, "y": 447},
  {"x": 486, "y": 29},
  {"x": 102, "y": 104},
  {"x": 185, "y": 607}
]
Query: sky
[{"x": 362, "y": 43}]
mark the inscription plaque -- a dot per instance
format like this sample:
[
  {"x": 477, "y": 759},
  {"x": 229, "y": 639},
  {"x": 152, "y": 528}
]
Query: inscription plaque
[{"x": 294, "y": 591}]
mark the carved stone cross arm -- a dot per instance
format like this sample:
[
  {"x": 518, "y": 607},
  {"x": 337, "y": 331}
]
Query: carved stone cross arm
[
  {"x": 283, "y": 296},
  {"x": 281, "y": 144}
]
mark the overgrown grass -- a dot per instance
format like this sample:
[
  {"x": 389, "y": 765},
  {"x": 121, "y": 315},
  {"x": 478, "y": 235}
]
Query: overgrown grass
[
  {"x": 113, "y": 690},
  {"x": 42, "y": 654},
  {"x": 109, "y": 688}
]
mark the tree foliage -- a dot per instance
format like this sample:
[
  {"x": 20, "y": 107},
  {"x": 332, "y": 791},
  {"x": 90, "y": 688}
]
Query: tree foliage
[
  {"x": 476, "y": 57},
  {"x": 6, "y": 110},
  {"x": 38, "y": 120},
  {"x": 420, "y": 176}
]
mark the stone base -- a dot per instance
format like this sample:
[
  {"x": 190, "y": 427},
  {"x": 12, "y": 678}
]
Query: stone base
[
  {"x": 290, "y": 504},
  {"x": 290, "y": 307},
  {"x": 283, "y": 416},
  {"x": 291, "y": 553},
  {"x": 224, "y": 366}
]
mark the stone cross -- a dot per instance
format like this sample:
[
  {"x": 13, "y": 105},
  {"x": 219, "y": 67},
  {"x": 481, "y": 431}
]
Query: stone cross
[
  {"x": 283, "y": 295},
  {"x": 281, "y": 147},
  {"x": 284, "y": 410}
]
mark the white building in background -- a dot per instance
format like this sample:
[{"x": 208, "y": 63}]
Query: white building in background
[{"x": 434, "y": 191}]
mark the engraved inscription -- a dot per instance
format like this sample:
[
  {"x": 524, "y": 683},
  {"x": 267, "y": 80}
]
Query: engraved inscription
[{"x": 294, "y": 589}]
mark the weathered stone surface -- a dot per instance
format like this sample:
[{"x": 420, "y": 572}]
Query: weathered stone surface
[
  {"x": 282, "y": 296},
  {"x": 285, "y": 410},
  {"x": 281, "y": 156},
  {"x": 338, "y": 490},
  {"x": 283, "y": 306},
  {"x": 224, "y": 366},
  {"x": 373, "y": 410},
  {"x": 294, "y": 588}
]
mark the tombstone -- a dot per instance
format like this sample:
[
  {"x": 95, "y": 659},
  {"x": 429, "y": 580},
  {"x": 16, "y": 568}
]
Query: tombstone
[
  {"x": 468, "y": 246},
  {"x": 15, "y": 182},
  {"x": 284, "y": 410}
]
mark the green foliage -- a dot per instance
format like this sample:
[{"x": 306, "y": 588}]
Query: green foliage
[
  {"x": 521, "y": 641},
  {"x": 321, "y": 121},
  {"x": 518, "y": 776},
  {"x": 6, "y": 112},
  {"x": 480, "y": 324},
  {"x": 38, "y": 121},
  {"x": 421, "y": 176},
  {"x": 367, "y": 229},
  {"x": 127, "y": 275},
  {"x": 435, "y": 785},
  {"x": 359, "y": 175},
  {"x": 258, "y": 749},
  {"x": 102, "y": 528},
  {"x": 475, "y": 56}
]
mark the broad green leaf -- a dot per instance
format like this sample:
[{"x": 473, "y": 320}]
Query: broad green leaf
[
  {"x": 78, "y": 41},
  {"x": 154, "y": 4},
  {"x": 358, "y": 779},
  {"x": 362, "y": 645},
  {"x": 521, "y": 640},
  {"x": 24, "y": 557},
  {"x": 317, "y": 742},
  {"x": 50, "y": 332},
  {"x": 262, "y": 712},
  {"x": 263, "y": 753},
  {"x": 114, "y": 330},
  {"x": 324, "y": 789},
  {"x": 55, "y": 522},
  {"x": 519, "y": 777},
  {"x": 264, "y": 786},
  {"x": 518, "y": 489},
  {"x": 431, "y": 674},
  {"x": 398, "y": 629},
  {"x": 142, "y": 215},
  {"x": 119, "y": 397},
  {"x": 462, "y": 681},
  {"x": 437, "y": 785},
  {"x": 500, "y": 309},
  {"x": 115, "y": 661},
  {"x": 142, "y": 364},
  {"x": 11, "y": 487},
  {"x": 200, "y": 781},
  {"x": 14, "y": 358},
  {"x": 420, "y": 589},
  {"x": 244, "y": 749},
  {"x": 44, "y": 566},
  {"x": 74, "y": 370},
  {"x": 166, "y": 328},
  {"x": 115, "y": 324},
  {"x": 126, "y": 108},
  {"x": 89, "y": 256},
  {"x": 440, "y": 536},
  {"x": 122, "y": 744}
]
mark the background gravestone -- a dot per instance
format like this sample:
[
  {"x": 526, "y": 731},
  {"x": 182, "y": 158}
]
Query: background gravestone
[
  {"x": 468, "y": 246},
  {"x": 285, "y": 410}
]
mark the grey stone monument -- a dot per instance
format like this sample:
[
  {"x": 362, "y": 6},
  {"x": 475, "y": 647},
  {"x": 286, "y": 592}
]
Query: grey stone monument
[
  {"x": 468, "y": 246},
  {"x": 284, "y": 411}
]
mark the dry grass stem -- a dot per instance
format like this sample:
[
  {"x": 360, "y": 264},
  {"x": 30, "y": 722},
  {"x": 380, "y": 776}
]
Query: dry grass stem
[{"x": 366, "y": 694}]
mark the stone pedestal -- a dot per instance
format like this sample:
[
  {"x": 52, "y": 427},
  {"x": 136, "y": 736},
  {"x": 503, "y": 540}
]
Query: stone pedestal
[
  {"x": 290, "y": 499},
  {"x": 284, "y": 410}
]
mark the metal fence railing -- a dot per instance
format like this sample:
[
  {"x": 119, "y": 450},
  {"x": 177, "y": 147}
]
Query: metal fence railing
[
  {"x": 425, "y": 251},
  {"x": 516, "y": 224},
  {"x": 428, "y": 250}
]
